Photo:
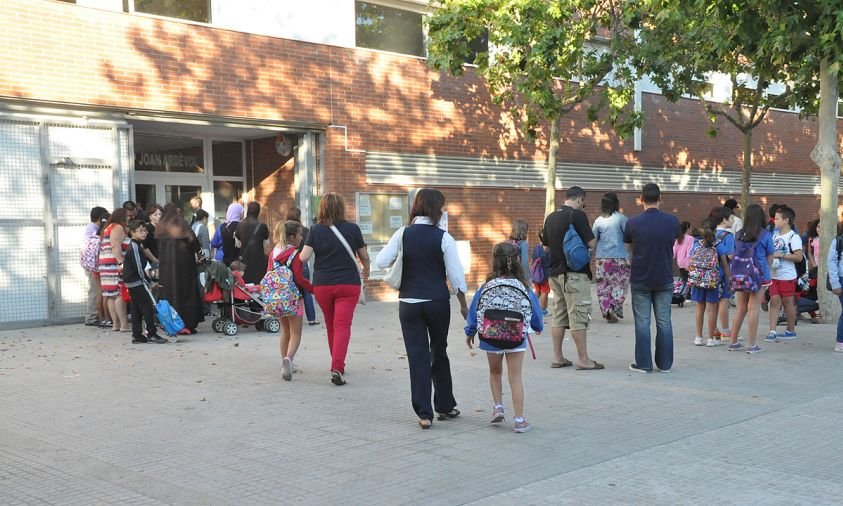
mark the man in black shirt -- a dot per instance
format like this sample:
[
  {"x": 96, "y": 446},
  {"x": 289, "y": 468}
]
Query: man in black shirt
[{"x": 571, "y": 288}]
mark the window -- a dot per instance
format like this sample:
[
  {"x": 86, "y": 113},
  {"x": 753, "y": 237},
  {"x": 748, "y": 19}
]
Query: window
[
  {"x": 159, "y": 153},
  {"x": 479, "y": 44},
  {"x": 228, "y": 158},
  {"x": 389, "y": 29},
  {"x": 840, "y": 108},
  {"x": 192, "y": 10}
]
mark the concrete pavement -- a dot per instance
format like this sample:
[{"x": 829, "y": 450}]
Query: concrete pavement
[{"x": 89, "y": 418}]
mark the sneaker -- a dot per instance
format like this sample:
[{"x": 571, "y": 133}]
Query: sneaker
[
  {"x": 295, "y": 368},
  {"x": 544, "y": 312},
  {"x": 287, "y": 370},
  {"x": 754, "y": 349},
  {"x": 711, "y": 343},
  {"x": 336, "y": 378},
  {"x": 92, "y": 323},
  {"x": 635, "y": 368},
  {"x": 139, "y": 340},
  {"x": 698, "y": 341},
  {"x": 521, "y": 425},
  {"x": 771, "y": 336},
  {"x": 788, "y": 336},
  {"x": 717, "y": 333},
  {"x": 838, "y": 348},
  {"x": 665, "y": 371},
  {"x": 497, "y": 415},
  {"x": 735, "y": 347},
  {"x": 157, "y": 339}
]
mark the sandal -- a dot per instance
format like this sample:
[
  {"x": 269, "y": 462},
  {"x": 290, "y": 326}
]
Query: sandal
[
  {"x": 424, "y": 423},
  {"x": 564, "y": 363},
  {"x": 450, "y": 414}
]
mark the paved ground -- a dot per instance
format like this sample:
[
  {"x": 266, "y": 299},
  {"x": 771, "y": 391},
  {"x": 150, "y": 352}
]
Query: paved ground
[{"x": 88, "y": 418}]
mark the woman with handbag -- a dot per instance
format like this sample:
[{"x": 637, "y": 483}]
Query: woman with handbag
[
  {"x": 337, "y": 275},
  {"x": 178, "y": 273},
  {"x": 428, "y": 258}
]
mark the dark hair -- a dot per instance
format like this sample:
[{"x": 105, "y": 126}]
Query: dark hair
[
  {"x": 574, "y": 192},
  {"x": 610, "y": 204},
  {"x": 505, "y": 262},
  {"x": 753, "y": 223},
  {"x": 707, "y": 234},
  {"x": 519, "y": 230},
  {"x": 134, "y": 225},
  {"x": 772, "y": 210},
  {"x": 718, "y": 214},
  {"x": 151, "y": 208},
  {"x": 731, "y": 204},
  {"x": 120, "y": 215},
  {"x": 201, "y": 214},
  {"x": 253, "y": 209},
  {"x": 683, "y": 229},
  {"x": 428, "y": 202},
  {"x": 331, "y": 209},
  {"x": 651, "y": 193},
  {"x": 130, "y": 205},
  {"x": 787, "y": 214},
  {"x": 294, "y": 213},
  {"x": 98, "y": 214},
  {"x": 813, "y": 228}
]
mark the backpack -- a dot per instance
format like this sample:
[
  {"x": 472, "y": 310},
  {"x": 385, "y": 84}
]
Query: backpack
[
  {"x": 703, "y": 267},
  {"x": 503, "y": 311},
  {"x": 279, "y": 291},
  {"x": 90, "y": 256},
  {"x": 169, "y": 318},
  {"x": 746, "y": 276},
  {"x": 537, "y": 272},
  {"x": 576, "y": 254}
]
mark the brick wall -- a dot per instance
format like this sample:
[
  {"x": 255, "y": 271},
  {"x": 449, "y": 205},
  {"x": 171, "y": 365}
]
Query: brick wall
[{"x": 59, "y": 52}]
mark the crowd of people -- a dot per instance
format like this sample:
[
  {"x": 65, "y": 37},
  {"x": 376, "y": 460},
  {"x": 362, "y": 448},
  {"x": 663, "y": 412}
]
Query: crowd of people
[{"x": 747, "y": 262}]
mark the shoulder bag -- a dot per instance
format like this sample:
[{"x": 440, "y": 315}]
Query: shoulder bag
[
  {"x": 362, "y": 299},
  {"x": 396, "y": 270}
]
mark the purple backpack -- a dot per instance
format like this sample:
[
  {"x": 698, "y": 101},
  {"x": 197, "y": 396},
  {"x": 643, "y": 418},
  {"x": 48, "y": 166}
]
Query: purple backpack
[{"x": 746, "y": 276}]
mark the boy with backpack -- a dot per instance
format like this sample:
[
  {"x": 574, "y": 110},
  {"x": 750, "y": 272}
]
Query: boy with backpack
[
  {"x": 707, "y": 271},
  {"x": 722, "y": 217},
  {"x": 136, "y": 277},
  {"x": 788, "y": 251}
]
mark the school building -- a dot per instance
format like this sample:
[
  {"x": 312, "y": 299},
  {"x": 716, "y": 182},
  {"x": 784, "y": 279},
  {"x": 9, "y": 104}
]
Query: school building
[{"x": 279, "y": 101}]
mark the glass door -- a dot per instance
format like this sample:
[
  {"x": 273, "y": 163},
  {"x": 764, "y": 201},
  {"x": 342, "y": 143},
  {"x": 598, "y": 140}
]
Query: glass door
[{"x": 180, "y": 195}]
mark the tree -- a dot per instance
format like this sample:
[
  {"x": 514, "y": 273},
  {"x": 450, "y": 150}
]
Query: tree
[
  {"x": 682, "y": 43},
  {"x": 544, "y": 58}
]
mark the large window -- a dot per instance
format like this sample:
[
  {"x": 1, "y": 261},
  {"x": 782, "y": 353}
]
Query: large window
[
  {"x": 160, "y": 153},
  {"x": 193, "y": 10},
  {"x": 389, "y": 29}
]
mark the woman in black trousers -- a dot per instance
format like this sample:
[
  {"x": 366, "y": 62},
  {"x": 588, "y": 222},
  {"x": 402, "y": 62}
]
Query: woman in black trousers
[{"x": 429, "y": 258}]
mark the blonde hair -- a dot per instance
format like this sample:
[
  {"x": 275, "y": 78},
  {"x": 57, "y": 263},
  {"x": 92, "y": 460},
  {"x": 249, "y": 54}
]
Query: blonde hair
[
  {"x": 519, "y": 230},
  {"x": 285, "y": 229}
]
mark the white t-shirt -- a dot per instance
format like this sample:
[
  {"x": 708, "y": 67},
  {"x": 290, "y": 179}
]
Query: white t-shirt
[{"x": 787, "y": 269}]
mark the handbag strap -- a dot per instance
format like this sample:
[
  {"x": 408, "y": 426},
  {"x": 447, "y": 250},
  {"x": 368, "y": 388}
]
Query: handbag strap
[{"x": 337, "y": 233}]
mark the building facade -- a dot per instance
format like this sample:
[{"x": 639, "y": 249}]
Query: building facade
[{"x": 103, "y": 101}]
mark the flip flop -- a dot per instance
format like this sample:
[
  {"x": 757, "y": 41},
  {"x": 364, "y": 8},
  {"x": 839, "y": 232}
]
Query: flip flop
[
  {"x": 596, "y": 367},
  {"x": 557, "y": 365}
]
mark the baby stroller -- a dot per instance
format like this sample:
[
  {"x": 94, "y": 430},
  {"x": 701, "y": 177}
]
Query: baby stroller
[{"x": 238, "y": 303}]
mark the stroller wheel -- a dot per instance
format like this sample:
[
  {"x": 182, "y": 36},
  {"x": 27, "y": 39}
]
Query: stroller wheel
[
  {"x": 272, "y": 325},
  {"x": 229, "y": 328},
  {"x": 259, "y": 325},
  {"x": 218, "y": 324}
]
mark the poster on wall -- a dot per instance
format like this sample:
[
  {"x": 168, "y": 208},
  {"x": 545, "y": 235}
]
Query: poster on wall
[{"x": 379, "y": 215}]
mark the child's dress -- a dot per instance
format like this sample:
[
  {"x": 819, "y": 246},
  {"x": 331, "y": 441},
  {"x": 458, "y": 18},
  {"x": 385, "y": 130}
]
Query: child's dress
[{"x": 513, "y": 299}]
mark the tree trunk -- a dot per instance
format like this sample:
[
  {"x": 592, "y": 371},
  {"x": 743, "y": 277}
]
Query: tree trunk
[
  {"x": 746, "y": 174},
  {"x": 826, "y": 155},
  {"x": 553, "y": 150}
]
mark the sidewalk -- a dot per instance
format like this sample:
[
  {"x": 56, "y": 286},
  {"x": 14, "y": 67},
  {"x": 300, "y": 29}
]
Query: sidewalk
[{"x": 88, "y": 418}]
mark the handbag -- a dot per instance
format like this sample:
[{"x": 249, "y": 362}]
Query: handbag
[
  {"x": 362, "y": 299},
  {"x": 393, "y": 274}
]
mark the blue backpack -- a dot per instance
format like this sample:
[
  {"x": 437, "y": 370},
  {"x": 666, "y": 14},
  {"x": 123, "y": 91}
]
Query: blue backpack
[
  {"x": 576, "y": 254},
  {"x": 169, "y": 318},
  {"x": 746, "y": 276}
]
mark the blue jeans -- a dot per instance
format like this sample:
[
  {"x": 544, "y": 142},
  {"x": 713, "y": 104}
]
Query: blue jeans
[
  {"x": 309, "y": 308},
  {"x": 840, "y": 320},
  {"x": 658, "y": 298}
]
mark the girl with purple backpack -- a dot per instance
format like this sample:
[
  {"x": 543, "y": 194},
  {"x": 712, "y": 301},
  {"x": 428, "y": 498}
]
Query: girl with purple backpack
[{"x": 751, "y": 275}]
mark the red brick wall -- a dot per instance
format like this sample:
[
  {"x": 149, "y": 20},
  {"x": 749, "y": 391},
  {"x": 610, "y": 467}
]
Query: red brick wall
[{"x": 59, "y": 52}]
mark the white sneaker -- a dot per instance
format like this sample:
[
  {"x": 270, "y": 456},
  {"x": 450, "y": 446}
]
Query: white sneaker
[
  {"x": 838, "y": 347},
  {"x": 698, "y": 341},
  {"x": 711, "y": 343},
  {"x": 287, "y": 369}
]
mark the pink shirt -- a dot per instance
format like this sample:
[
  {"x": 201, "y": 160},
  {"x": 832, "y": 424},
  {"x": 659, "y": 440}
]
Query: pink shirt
[{"x": 682, "y": 251}]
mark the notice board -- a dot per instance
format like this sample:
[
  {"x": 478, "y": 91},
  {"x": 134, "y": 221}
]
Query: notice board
[{"x": 379, "y": 215}]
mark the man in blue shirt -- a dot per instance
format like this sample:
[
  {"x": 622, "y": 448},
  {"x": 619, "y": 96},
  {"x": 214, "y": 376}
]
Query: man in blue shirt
[{"x": 649, "y": 237}]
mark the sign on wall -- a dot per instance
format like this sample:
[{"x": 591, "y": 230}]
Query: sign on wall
[{"x": 379, "y": 215}]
